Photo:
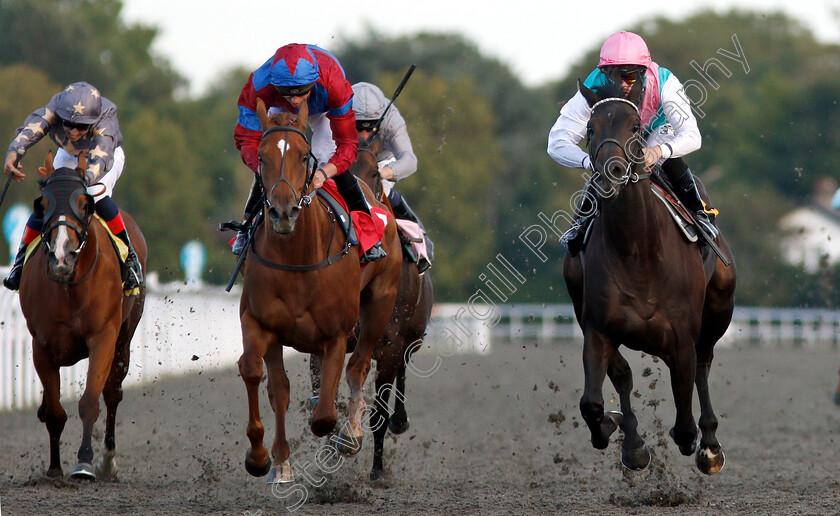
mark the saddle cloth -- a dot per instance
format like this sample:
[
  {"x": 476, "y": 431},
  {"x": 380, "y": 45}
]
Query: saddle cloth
[
  {"x": 415, "y": 239},
  {"x": 369, "y": 229}
]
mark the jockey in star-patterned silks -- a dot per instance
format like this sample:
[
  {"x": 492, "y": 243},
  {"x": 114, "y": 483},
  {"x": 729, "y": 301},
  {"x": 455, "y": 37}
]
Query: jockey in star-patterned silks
[
  {"x": 670, "y": 129},
  {"x": 78, "y": 119},
  {"x": 397, "y": 160},
  {"x": 298, "y": 73}
]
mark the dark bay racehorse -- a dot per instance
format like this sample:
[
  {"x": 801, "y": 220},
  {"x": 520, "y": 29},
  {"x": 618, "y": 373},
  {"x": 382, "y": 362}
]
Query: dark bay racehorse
[
  {"x": 301, "y": 289},
  {"x": 405, "y": 330},
  {"x": 71, "y": 295},
  {"x": 640, "y": 283}
]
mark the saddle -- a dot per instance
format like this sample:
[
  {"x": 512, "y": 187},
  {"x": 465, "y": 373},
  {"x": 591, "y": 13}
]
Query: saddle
[{"x": 662, "y": 189}]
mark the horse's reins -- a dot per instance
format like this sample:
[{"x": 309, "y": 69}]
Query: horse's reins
[
  {"x": 630, "y": 177},
  {"x": 302, "y": 201}
]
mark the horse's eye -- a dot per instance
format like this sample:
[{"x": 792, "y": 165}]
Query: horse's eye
[{"x": 637, "y": 128}]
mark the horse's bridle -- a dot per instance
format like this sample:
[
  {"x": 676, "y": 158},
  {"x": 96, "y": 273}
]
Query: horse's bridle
[
  {"x": 303, "y": 199},
  {"x": 83, "y": 221},
  {"x": 632, "y": 177}
]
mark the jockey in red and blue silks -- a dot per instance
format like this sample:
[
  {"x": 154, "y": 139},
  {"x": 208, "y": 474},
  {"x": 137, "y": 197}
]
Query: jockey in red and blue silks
[
  {"x": 670, "y": 128},
  {"x": 299, "y": 73}
]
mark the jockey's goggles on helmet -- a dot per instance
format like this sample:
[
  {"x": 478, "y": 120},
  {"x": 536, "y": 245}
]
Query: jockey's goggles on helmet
[
  {"x": 68, "y": 125},
  {"x": 625, "y": 74},
  {"x": 365, "y": 125},
  {"x": 295, "y": 91}
]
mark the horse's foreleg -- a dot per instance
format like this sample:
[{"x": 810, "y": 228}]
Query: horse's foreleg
[
  {"x": 398, "y": 423},
  {"x": 255, "y": 342},
  {"x": 682, "y": 366},
  {"x": 101, "y": 357},
  {"x": 106, "y": 469},
  {"x": 634, "y": 454},
  {"x": 324, "y": 415},
  {"x": 315, "y": 378},
  {"x": 386, "y": 372},
  {"x": 374, "y": 317},
  {"x": 278, "y": 386},
  {"x": 51, "y": 413},
  {"x": 597, "y": 355}
]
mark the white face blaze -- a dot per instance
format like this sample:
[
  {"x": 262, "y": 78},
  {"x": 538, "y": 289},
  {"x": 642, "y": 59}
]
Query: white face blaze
[
  {"x": 283, "y": 146},
  {"x": 61, "y": 241}
]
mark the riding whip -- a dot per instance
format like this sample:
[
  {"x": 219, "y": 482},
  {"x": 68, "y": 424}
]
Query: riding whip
[
  {"x": 375, "y": 129},
  {"x": 9, "y": 179}
]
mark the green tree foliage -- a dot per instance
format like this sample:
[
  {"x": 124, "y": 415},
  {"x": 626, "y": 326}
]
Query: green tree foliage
[{"x": 768, "y": 133}]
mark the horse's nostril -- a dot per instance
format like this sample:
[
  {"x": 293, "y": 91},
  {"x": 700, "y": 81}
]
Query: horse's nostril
[{"x": 273, "y": 214}]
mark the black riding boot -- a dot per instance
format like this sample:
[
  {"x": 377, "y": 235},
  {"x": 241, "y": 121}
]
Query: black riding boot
[
  {"x": 404, "y": 211},
  {"x": 350, "y": 190},
  {"x": 132, "y": 263},
  {"x": 683, "y": 180},
  {"x": 254, "y": 197},
  {"x": 572, "y": 239},
  {"x": 12, "y": 281}
]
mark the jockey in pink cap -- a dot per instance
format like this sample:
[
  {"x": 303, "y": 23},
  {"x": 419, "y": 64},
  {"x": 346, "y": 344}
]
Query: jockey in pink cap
[{"x": 670, "y": 129}]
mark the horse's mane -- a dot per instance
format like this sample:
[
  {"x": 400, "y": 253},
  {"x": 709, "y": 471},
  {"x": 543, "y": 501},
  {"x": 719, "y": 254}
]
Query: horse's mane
[{"x": 609, "y": 89}]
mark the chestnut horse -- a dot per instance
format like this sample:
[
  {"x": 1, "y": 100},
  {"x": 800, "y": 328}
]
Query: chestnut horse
[
  {"x": 301, "y": 288},
  {"x": 72, "y": 298},
  {"x": 640, "y": 283},
  {"x": 405, "y": 330}
]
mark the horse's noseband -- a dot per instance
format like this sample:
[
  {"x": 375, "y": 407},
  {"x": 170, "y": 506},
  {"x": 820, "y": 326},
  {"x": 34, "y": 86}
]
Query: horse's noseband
[{"x": 302, "y": 200}]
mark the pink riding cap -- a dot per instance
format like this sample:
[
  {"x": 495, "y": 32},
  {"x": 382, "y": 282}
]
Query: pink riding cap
[{"x": 624, "y": 48}]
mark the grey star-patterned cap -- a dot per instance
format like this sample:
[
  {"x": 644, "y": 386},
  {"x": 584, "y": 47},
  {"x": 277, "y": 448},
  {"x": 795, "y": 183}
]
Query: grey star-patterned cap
[{"x": 80, "y": 103}]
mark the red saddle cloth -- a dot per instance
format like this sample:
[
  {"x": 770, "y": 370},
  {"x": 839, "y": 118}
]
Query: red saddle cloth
[{"x": 369, "y": 229}]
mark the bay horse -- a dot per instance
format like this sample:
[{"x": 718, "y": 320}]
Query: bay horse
[
  {"x": 405, "y": 330},
  {"x": 71, "y": 295},
  {"x": 302, "y": 288},
  {"x": 640, "y": 283}
]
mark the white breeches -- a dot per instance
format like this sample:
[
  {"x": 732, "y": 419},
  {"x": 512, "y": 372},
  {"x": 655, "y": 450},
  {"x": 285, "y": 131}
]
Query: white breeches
[{"x": 106, "y": 183}]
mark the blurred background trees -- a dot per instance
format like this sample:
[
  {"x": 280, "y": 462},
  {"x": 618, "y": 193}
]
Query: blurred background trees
[{"x": 479, "y": 133}]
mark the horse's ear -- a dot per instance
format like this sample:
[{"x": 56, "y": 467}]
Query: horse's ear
[
  {"x": 590, "y": 96},
  {"x": 47, "y": 170},
  {"x": 82, "y": 165},
  {"x": 262, "y": 114}
]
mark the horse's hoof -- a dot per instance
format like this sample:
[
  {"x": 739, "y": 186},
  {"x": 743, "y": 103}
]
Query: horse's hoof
[
  {"x": 106, "y": 468},
  {"x": 281, "y": 474},
  {"x": 836, "y": 398},
  {"x": 323, "y": 427},
  {"x": 348, "y": 445},
  {"x": 397, "y": 427},
  {"x": 685, "y": 449},
  {"x": 83, "y": 471},
  {"x": 377, "y": 474},
  {"x": 635, "y": 460},
  {"x": 312, "y": 402},
  {"x": 616, "y": 417},
  {"x": 709, "y": 462},
  {"x": 55, "y": 473},
  {"x": 256, "y": 471}
]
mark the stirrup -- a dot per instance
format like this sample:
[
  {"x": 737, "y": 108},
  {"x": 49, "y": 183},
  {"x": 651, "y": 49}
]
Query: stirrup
[
  {"x": 134, "y": 278},
  {"x": 706, "y": 224},
  {"x": 374, "y": 253},
  {"x": 240, "y": 242},
  {"x": 423, "y": 265}
]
